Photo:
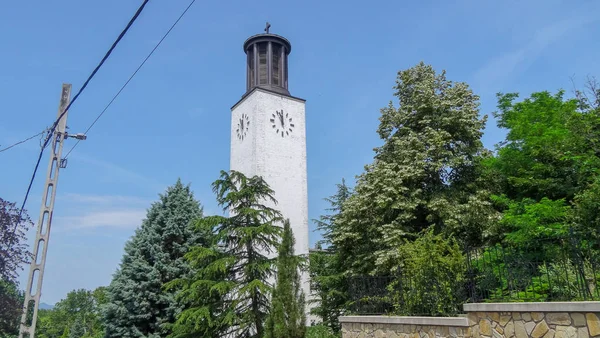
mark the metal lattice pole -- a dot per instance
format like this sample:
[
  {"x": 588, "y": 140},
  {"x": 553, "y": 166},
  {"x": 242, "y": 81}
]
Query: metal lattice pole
[{"x": 36, "y": 270}]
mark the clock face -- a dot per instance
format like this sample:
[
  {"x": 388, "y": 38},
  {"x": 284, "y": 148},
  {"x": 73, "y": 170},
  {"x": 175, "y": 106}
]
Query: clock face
[
  {"x": 282, "y": 123},
  {"x": 242, "y": 126}
]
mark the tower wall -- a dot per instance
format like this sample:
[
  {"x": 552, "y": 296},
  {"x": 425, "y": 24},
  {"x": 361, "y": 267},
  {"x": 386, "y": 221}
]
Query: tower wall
[{"x": 281, "y": 161}]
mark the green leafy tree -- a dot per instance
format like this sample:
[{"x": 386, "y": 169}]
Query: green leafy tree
[
  {"x": 547, "y": 167},
  {"x": 77, "y": 329},
  {"x": 13, "y": 236},
  {"x": 77, "y": 315},
  {"x": 328, "y": 280},
  {"x": 540, "y": 153},
  {"x": 100, "y": 297},
  {"x": 587, "y": 126},
  {"x": 528, "y": 220},
  {"x": 545, "y": 183},
  {"x": 137, "y": 304},
  {"x": 287, "y": 318},
  {"x": 426, "y": 174},
  {"x": 229, "y": 291},
  {"x": 586, "y": 217},
  {"x": 13, "y": 255},
  {"x": 11, "y": 303},
  {"x": 588, "y": 98},
  {"x": 44, "y": 323}
]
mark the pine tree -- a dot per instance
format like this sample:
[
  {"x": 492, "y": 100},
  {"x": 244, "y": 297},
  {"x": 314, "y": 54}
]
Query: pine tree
[
  {"x": 426, "y": 174},
  {"x": 229, "y": 293},
  {"x": 137, "y": 305},
  {"x": 287, "y": 318}
]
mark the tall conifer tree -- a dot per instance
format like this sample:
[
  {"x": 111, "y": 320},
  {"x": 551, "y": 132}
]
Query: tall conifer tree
[
  {"x": 287, "y": 318},
  {"x": 229, "y": 294},
  {"x": 137, "y": 305}
]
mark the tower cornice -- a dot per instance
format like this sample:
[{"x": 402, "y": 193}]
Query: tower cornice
[
  {"x": 268, "y": 37},
  {"x": 272, "y": 92}
]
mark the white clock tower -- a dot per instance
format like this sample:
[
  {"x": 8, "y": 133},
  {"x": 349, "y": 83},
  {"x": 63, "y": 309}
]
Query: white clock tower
[{"x": 268, "y": 133}]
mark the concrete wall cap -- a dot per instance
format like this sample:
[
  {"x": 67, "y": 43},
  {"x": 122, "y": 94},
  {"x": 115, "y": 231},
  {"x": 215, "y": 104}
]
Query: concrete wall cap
[{"x": 533, "y": 307}]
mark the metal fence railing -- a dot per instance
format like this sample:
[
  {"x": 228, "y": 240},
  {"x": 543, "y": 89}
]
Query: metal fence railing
[
  {"x": 550, "y": 270},
  {"x": 544, "y": 271}
]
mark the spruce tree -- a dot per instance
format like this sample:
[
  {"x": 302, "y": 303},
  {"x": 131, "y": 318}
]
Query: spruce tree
[
  {"x": 137, "y": 305},
  {"x": 228, "y": 296},
  {"x": 426, "y": 174},
  {"x": 287, "y": 318}
]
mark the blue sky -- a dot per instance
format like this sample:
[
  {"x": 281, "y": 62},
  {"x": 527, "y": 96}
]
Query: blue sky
[{"x": 173, "y": 119}]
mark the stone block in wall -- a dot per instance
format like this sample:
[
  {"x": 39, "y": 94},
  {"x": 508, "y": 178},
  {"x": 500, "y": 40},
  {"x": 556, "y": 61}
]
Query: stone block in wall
[
  {"x": 578, "y": 319},
  {"x": 485, "y": 327},
  {"x": 558, "y": 318},
  {"x": 540, "y": 329},
  {"x": 495, "y": 316},
  {"x": 529, "y": 327},
  {"x": 566, "y": 332},
  {"x": 509, "y": 329},
  {"x": 582, "y": 332},
  {"x": 473, "y": 318},
  {"x": 537, "y": 316},
  {"x": 504, "y": 319},
  {"x": 520, "y": 331},
  {"x": 593, "y": 323},
  {"x": 550, "y": 334}
]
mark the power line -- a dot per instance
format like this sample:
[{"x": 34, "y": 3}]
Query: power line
[
  {"x": 23, "y": 141},
  {"x": 51, "y": 131},
  {"x": 132, "y": 76}
]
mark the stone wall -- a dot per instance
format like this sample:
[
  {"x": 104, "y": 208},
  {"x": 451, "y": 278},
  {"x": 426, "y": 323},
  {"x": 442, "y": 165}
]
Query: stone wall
[
  {"x": 493, "y": 320},
  {"x": 403, "y": 327}
]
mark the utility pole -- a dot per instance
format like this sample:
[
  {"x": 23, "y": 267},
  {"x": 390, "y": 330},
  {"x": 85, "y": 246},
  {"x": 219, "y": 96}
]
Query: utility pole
[{"x": 36, "y": 269}]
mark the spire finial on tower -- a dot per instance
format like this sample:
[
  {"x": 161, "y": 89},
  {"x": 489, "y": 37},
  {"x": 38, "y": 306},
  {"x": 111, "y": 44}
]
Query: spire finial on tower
[{"x": 267, "y": 27}]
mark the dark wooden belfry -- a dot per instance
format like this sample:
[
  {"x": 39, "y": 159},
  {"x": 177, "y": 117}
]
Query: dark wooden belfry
[{"x": 267, "y": 65}]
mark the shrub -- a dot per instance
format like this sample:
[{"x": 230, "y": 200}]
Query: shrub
[
  {"x": 432, "y": 275},
  {"x": 320, "y": 331}
]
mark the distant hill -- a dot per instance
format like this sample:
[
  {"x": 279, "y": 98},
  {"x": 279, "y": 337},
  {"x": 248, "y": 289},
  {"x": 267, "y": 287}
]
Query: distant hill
[{"x": 44, "y": 306}]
